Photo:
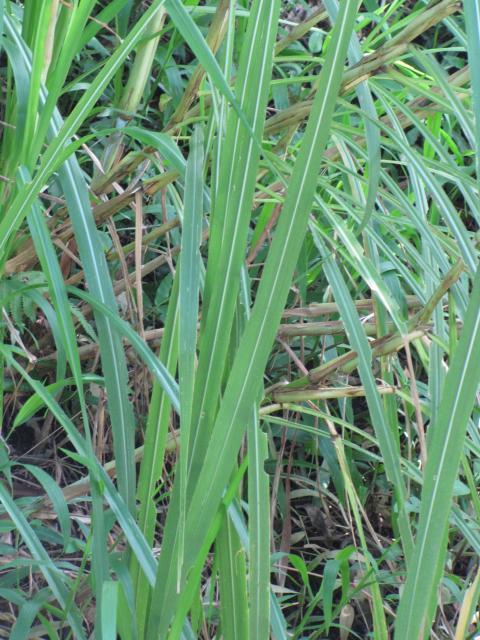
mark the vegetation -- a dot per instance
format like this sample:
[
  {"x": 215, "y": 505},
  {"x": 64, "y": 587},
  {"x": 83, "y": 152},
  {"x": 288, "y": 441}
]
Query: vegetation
[{"x": 240, "y": 333}]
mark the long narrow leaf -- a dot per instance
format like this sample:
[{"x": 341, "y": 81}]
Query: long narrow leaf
[{"x": 189, "y": 290}]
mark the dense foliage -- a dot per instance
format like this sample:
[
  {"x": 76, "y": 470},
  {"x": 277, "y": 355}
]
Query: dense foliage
[{"x": 239, "y": 343}]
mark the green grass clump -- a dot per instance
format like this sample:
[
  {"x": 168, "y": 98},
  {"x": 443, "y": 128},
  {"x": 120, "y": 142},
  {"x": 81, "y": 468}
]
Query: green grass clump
[{"x": 240, "y": 329}]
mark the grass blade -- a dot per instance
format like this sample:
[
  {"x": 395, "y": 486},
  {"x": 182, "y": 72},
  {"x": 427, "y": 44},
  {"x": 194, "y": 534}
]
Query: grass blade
[
  {"x": 152, "y": 463},
  {"x": 232, "y": 582},
  {"x": 190, "y": 260},
  {"x": 109, "y": 610},
  {"x": 258, "y": 532}
]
